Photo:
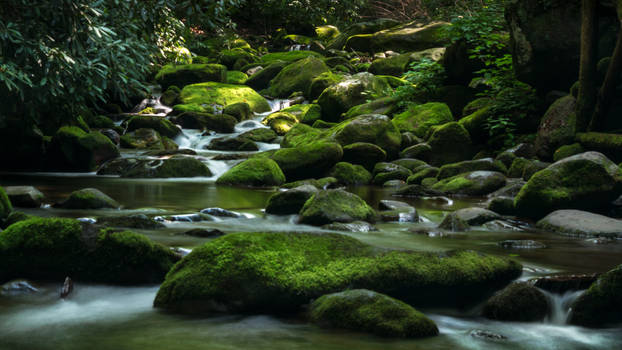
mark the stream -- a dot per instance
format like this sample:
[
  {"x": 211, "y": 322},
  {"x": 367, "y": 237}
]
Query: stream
[{"x": 105, "y": 317}]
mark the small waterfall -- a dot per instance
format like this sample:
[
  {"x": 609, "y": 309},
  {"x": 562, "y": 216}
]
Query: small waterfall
[
  {"x": 153, "y": 101},
  {"x": 560, "y": 305},
  {"x": 299, "y": 47}
]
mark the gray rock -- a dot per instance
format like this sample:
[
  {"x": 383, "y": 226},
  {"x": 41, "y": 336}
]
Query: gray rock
[
  {"x": 356, "y": 226},
  {"x": 24, "y": 196},
  {"x": 221, "y": 213},
  {"x": 18, "y": 287},
  {"x": 581, "y": 223},
  {"x": 475, "y": 216}
]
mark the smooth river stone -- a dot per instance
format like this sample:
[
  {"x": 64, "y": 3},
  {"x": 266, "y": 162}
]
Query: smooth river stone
[{"x": 581, "y": 223}]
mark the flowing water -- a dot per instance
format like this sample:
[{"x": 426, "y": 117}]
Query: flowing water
[{"x": 112, "y": 317}]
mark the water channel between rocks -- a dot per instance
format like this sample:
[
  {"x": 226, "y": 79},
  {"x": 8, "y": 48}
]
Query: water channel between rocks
[{"x": 105, "y": 317}]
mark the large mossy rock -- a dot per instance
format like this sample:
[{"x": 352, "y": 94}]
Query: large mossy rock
[
  {"x": 475, "y": 183},
  {"x": 330, "y": 206},
  {"x": 159, "y": 124},
  {"x": 261, "y": 79},
  {"x": 308, "y": 160},
  {"x": 557, "y": 127},
  {"x": 385, "y": 106},
  {"x": 290, "y": 201},
  {"x": 146, "y": 139},
  {"x": 454, "y": 169},
  {"x": 53, "y": 248},
  {"x": 350, "y": 174},
  {"x": 546, "y": 40},
  {"x": 305, "y": 113},
  {"x": 517, "y": 302},
  {"x": 408, "y": 37},
  {"x": 419, "y": 119},
  {"x": 398, "y": 65},
  {"x": 370, "y": 128},
  {"x": 257, "y": 172},
  {"x": 174, "y": 167},
  {"x": 353, "y": 91},
  {"x": 73, "y": 149},
  {"x": 296, "y": 77},
  {"x": 370, "y": 312},
  {"x": 607, "y": 144},
  {"x": 581, "y": 224},
  {"x": 363, "y": 153},
  {"x": 279, "y": 272},
  {"x": 223, "y": 123},
  {"x": 369, "y": 27},
  {"x": 182, "y": 75},
  {"x": 321, "y": 83},
  {"x": 202, "y": 97},
  {"x": 450, "y": 143},
  {"x": 586, "y": 181},
  {"x": 89, "y": 198},
  {"x": 600, "y": 305}
]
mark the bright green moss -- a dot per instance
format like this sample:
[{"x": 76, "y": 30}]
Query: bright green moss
[
  {"x": 366, "y": 311},
  {"x": 290, "y": 56},
  {"x": 608, "y": 144},
  {"x": 600, "y": 305},
  {"x": 279, "y": 272},
  {"x": 326, "y": 33},
  {"x": 475, "y": 183},
  {"x": 80, "y": 151},
  {"x": 254, "y": 172},
  {"x": 236, "y": 77},
  {"x": 296, "y": 77},
  {"x": 567, "y": 151},
  {"x": 370, "y": 128},
  {"x": 420, "y": 118},
  {"x": 203, "y": 96},
  {"x": 321, "y": 83},
  {"x": 475, "y": 123},
  {"x": 309, "y": 160},
  {"x": 235, "y": 58},
  {"x": 305, "y": 113},
  {"x": 349, "y": 174},
  {"x": 53, "y": 248}
]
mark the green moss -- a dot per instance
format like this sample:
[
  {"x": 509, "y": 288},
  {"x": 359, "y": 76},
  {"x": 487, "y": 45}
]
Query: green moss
[
  {"x": 296, "y": 77},
  {"x": 233, "y": 58},
  {"x": 301, "y": 134},
  {"x": 261, "y": 79},
  {"x": 474, "y": 183},
  {"x": 309, "y": 160},
  {"x": 159, "y": 124},
  {"x": 454, "y": 169},
  {"x": 182, "y": 75},
  {"x": 291, "y": 201},
  {"x": 101, "y": 122},
  {"x": 89, "y": 198},
  {"x": 420, "y": 118},
  {"x": 419, "y": 176},
  {"x": 600, "y": 305},
  {"x": 290, "y": 56},
  {"x": 386, "y": 106},
  {"x": 202, "y": 96},
  {"x": 608, "y": 144},
  {"x": 321, "y": 83},
  {"x": 518, "y": 167},
  {"x": 349, "y": 174},
  {"x": 241, "y": 111},
  {"x": 370, "y": 128},
  {"x": 370, "y": 312},
  {"x": 280, "y": 122},
  {"x": 253, "y": 172},
  {"x": 323, "y": 183},
  {"x": 450, "y": 143},
  {"x": 567, "y": 151},
  {"x": 475, "y": 123},
  {"x": 77, "y": 150},
  {"x": 365, "y": 154},
  {"x": 305, "y": 113},
  {"x": 236, "y": 77},
  {"x": 518, "y": 302},
  {"x": 331, "y": 206},
  {"x": 177, "y": 166},
  {"x": 5, "y": 205},
  {"x": 279, "y": 272},
  {"x": 51, "y": 249},
  {"x": 326, "y": 33}
]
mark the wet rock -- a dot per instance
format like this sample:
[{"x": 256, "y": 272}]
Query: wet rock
[
  {"x": 417, "y": 191},
  {"x": 394, "y": 183},
  {"x": 261, "y": 79},
  {"x": 422, "y": 174},
  {"x": 369, "y": 128},
  {"x": 487, "y": 164},
  {"x": 356, "y": 226},
  {"x": 517, "y": 302},
  {"x": 256, "y": 172},
  {"x": 476, "y": 183},
  {"x": 399, "y": 215},
  {"x": 204, "y": 96},
  {"x": 176, "y": 166},
  {"x": 73, "y": 149},
  {"x": 112, "y": 135},
  {"x": 162, "y": 125},
  {"x": 311, "y": 160},
  {"x": 502, "y": 225},
  {"x": 296, "y": 76},
  {"x": 581, "y": 223},
  {"x": 420, "y": 151},
  {"x": 231, "y": 274},
  {"x": 238, "y": 143},
  {"x": 18, "y": 287},
  {"x": 557, "y": 127},
  {"x": 370, "y": 312},
  {"x": 393, "y": 205},
  {"x": 197, "y": 217},
  {"x": 290, "y": 201},
  {"x": 171, "y": 152},
  {"x": 384, "y": 172},
  {"x": 511, "y": 189},
  {"x": 502, "y": 205},
  {"x": 260, "y": 135},
  {"x": 453, "y": 223},
  {"x": 412, "y": 36},
  {"x": 410, "y": 163},
  {"x": 67, "y": 288},
  {"x": 365, "y": 154},
  {"x": 476, "y": 216},
  {"x": 204, "y": 233},
  {"x": 139, "y": 221},
  {"x": 533, "y": 167},
  {"x": 450, "y": 143},
  {"x": 220, "y": 212},
  {"x": 349, "y": 174},
  {"x": 147, "y": 139},
  {"x": 487, "y": 335},
  {"x": 240, "y": 111},
  {"x": 88, "y": 198},
  {"x": 600, "y": 305},
  {"x": 561, "y": 284},
  {"x": 24, "y": 196},
  {"x": 321, "y": 184},
  {"x": 521, "y": 244},
  {"x": 419, "y": 119},
  {"x": 330, "y": 206}
]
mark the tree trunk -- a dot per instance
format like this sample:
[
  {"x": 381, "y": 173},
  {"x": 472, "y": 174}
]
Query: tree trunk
[
  {"x": 587, "y": 71},
  {"x": 607, "y": 90}
]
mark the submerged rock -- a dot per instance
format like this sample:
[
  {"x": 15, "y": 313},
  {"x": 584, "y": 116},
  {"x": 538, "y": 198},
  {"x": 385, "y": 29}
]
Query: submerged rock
[
  {"x": 330, "y": 206},
  {"x": 220, "y": 212},
  {"x": 600, "y": 305},
  {"x": 140, "y": 221},
  {"x": 88, "y": 198},
  {"x": 204, "y": 233},
  {"x": 237, "y": 273},
  {"x": 517, "y": 302},
  {"x": 24, "y": 196},
  {"x": 581, "y": 223},
  {"x": 370, "y": 312},
  {"x": 52, "y": 248}
]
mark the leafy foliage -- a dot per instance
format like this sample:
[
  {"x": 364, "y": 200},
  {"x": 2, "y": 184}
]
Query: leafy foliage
[{"x": 425, "y": 76}]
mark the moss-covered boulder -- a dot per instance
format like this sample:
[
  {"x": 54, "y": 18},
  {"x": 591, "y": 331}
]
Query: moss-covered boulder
[
  {"x": 223, "y": 123},
  {"x": 237, "y": 143},
  {"x": 53, "y": 248},
  {"x": 608, "y": 144},
  {"x": 407, "y": 37},
  {"x": 236, "y": 77},
  {"x": 169, "y": 97},
  {"x": 581, "y": 224},
  {"x": 290, "y": 201},
  {"x": 370, "y": 128},
  {"x": 566, "y": 151},
  {"x": 350, "y": 174},
  {"x": 421, "y": 151},
  {"x": 280, "y": 122},
  {"x": 475, "y": 183},
  {"x": 236, "y": 58},
  {"x": 398, "y": 65},
  {"x": 419, "y": 118},
  {"x": 384, "y": 172},
  {"x": 182, "y": 75},
  {"x": 202, "y": 97},
  {"x": 517, "y": 302},
  {"x": 370, "y": 312},
  {"x": 475, "y": 124},
  {"x": 173, "y": 167},
  {"x": 308, "y": 161},
  {"x": 159, "y": 124},
  {"x": 385, "y": 106},
  {"x": 586, "y": 181},
  {"x": 321, "y": 83},
  {"x": 240, "y": 110},
  {"x": 73, "y": 149},
  {"x": 261, "y": 79},
  {"x": 296, "y": 77},
  {"x": 355, "y": 90},
  {"x": 302, "y": 134},
  {"x": 363, "y": 153},
  {"x": 146, "y": 139},
  {"x": 139, "y": 221},
  {"x": 279, "y": 272},
  {"x": 600, "y": 305},
  {"x": 450, "y": 143},
  {"x": 260, "y": 135},
  {"x": 257, "y": 172},
  {"x": 23, "y": 197},
  {"x": 488, "y": 164},
  {"x": 422, "y": 173},
  {"x": 330, "y": 206},
  {"x": 89, "y": 198},
  {"x": 557, "y": 127},
  {"x": 305, "y": 113}
]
